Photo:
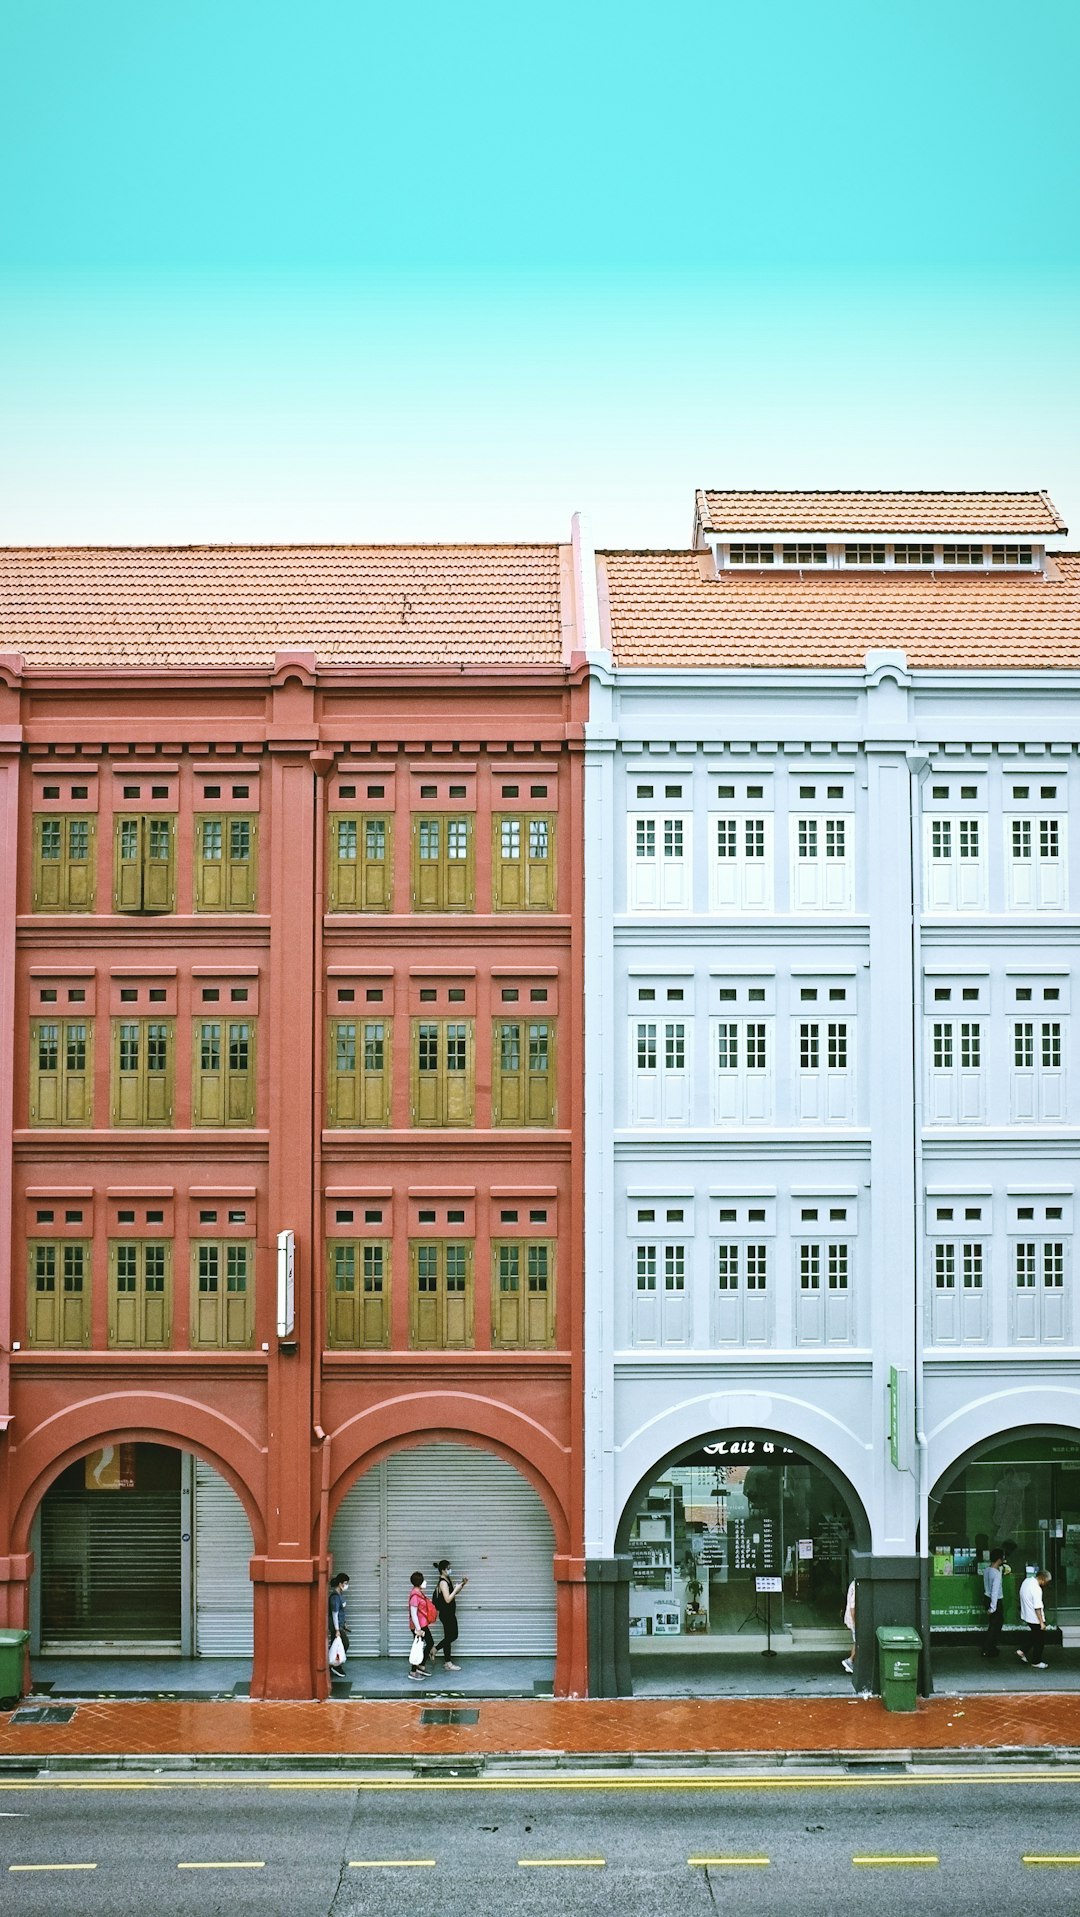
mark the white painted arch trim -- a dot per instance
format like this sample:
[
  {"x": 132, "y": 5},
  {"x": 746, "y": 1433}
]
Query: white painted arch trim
[
  {"x": 693, "y": 1419},
  {"x": 1001, "y": 1414}
]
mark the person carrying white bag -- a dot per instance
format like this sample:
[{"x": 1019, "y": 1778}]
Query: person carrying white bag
[{"x": 339, "y": 1636}]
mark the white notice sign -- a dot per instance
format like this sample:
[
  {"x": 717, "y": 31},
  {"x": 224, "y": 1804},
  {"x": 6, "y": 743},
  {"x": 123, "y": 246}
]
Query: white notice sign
[
  {"x": 806, "y": 1547},
  {"x": 768, "y": 1584}
]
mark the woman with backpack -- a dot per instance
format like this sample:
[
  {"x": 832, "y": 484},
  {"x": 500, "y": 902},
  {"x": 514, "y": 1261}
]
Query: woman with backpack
[{"x": 422, "y": 1615}]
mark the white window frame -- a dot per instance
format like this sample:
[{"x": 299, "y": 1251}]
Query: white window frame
[
  {"x": 822, "y": 873},
  {"x": 661, "y": 1088},
  {"x": 825, "y": 1089},
  {"x": 958, "y": 1275},
  {"x": 742, "y": 1093},
  {"x": 956, "y": 1056},
  {"x": 954, "y": 861},
  {"x": 660, "y": 861},
  {"x": 824, "y": 1310},
  {"x": 741, "y": 858},
  {"x": 1036, "y": 861},
  {"x": 1038, "y": 1049},
  {"x": 1040, "y": 1303},
  {"x": 742, "y": 1288},
  {"x": 660, "y": 1302}
]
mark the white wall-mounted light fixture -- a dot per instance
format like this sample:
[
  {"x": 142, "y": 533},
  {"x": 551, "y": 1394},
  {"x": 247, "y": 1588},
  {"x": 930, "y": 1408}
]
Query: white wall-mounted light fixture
[{"x": 286, "y": 1305}]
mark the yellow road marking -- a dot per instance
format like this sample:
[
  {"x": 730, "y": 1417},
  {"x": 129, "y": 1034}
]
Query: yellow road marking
[
  {"x": 52, "y": 1866},
  {"x": 714, "y": 1861},
  {"x": 903, "y": 1861},
  {"x": 1050, "y": 1860},
  {"x": 392, "y": 1863},
  {"x": 549, "y": 1863},
  {"x": 740, "y": 1781},
  {"x": 222, "y": 1866}
]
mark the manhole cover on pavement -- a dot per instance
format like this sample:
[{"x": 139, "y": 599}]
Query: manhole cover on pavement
[
  {"x": 437, "y": 1716},
  {"x": 45, "y": 1714}
]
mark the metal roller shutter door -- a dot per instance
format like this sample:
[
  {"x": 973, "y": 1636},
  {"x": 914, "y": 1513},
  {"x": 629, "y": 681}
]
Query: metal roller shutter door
[
  {"x": 357, "y": 1546},
  {"x": 110, "y": 1568},
  {"x": 449, "y": 1500},
  {"x": 223, "y": 1547}
]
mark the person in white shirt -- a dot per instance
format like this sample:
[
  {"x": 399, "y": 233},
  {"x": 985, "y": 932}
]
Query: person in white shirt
[
  {"x": 849, "y": 1619},
  {"x": 1033, "y": 1615},
  {"x": 992, "y": 1575}
]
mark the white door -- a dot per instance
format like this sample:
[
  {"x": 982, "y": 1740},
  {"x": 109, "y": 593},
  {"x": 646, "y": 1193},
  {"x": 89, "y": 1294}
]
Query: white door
[
  {"x": 223, "y": 1550},
  {"x": 448, "y": 1501}
]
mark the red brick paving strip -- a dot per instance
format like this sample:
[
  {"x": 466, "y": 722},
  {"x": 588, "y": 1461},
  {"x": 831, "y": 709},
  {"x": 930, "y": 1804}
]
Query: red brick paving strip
[{"x": 588, "y": 1727}]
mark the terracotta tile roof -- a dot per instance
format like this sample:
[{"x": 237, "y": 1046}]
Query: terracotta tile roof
[
  {"x": 237, "y": 605},
  {"x": 1028, "y": 515},
  {"x": 665, "y": 613}
]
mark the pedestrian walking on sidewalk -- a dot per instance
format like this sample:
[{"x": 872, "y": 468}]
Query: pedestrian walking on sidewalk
[
  {"x": 993, "y": 1591},
  {"x": 339, "y": 1586},
  {"x": 446, "y": 1596},
  {"x": 1033, "y": 1615},
  {"x": 849, "y": 1619},
  {"x": 422, "y": 1615}
]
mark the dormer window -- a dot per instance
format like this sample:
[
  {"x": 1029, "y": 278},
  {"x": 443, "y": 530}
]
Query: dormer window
[
  {"x": 1011, "y": 555},
  {"x": 860, "y": 555},
  {"x": 806, "y": 555},
  {"x": 913, "y": 555},
  {"x": 962, "y": 555},
  {"x": 752, "y": 555}
]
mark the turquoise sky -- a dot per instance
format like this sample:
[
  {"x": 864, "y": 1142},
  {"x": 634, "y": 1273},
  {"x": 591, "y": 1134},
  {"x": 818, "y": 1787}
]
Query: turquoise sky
[{"x": 344, "y": 272}]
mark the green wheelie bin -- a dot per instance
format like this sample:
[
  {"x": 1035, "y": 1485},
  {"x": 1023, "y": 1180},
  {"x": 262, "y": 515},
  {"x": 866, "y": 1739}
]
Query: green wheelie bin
[
  {"x": 12, "y": 1664},
  {"x": 899, "y": 1648}
]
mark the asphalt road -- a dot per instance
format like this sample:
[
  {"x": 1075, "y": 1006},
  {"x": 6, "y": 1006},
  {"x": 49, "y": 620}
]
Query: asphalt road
[{"x": 645, "y": 1850}]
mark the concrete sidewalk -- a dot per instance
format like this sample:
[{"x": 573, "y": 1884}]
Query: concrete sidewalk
[{"x": 542, "y": 1733}]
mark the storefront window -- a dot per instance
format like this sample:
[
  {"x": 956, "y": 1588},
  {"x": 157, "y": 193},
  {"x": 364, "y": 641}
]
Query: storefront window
[
  {"x": 1025, "y": 1496},
  {"x": 738, "y": 1509}
]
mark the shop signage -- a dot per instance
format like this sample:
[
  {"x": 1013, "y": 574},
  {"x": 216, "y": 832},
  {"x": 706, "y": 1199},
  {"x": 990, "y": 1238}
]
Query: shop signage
[
  {"x": 746, "y": 1448},
  {"x": 769, "y": 1585},
  {"x": 110, "y": 1469}
]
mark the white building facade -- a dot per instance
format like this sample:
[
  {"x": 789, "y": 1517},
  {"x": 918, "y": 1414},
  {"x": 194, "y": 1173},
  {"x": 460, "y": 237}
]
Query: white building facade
[{"x": 833, "y": 1090}]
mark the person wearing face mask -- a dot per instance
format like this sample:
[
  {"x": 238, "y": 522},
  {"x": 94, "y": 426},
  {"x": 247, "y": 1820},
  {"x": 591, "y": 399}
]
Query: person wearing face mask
[
  {"x": 422, "y": 1615},
  {"x": 446, "y": 1595},
  {"x": 339, "y": 1586}
]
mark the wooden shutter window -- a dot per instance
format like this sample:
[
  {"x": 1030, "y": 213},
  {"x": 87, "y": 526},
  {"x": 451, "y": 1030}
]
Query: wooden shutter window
[
  {"x": 61, "y": 1072},
  {"x": 359, "y": 1059},
  {"x": 361, "y": 872},
  {"x": 224, "y": 1088},
  {"x": 226, "y": 862},
  {"x": 144, "y": 873},
  {"x": 140, "y": 1293},
  {"x": 523, "y": 862},
  {"x": 523, "y": 1072},
  {"x": 64, "y": 862},
  {"x": 222, "y": 1293},
  {"x": 441, "y": 1294},
  {"x": 443, "y": 874},
  {"x": 58, "y": 1304},
  {"x": 142, "y": 1071}
]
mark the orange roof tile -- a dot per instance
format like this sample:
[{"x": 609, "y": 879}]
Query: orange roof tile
[
  {"x": 1028, "y": 515},
  {"x": 236, "y": 605},
  {"x": 664, "y": 613}
]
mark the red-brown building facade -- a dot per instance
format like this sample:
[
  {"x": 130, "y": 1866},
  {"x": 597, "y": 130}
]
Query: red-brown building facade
[{"x": 291, "y": 941}]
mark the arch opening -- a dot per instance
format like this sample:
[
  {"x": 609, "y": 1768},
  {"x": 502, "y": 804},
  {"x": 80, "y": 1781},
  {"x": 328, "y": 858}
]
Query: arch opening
[
  {"x": 739, "y": 1544},
  {"x": 420, "y": 1503},
  {"x": 142, "y": 1552},
  {"x": 1018, "y": 1489}
]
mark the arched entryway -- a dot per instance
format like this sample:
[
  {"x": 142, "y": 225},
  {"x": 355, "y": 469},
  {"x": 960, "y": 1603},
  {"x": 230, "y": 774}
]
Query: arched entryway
[
  {"x": 142, "y": 1550},
  {"x": 458, "y": 1501},
  {"x": 1019, "y": 1489},
  {"x": 738, "y": 1542}
]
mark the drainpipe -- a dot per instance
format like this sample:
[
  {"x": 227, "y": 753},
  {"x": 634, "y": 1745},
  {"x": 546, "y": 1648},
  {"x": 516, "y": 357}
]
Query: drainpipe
[
  {"x": 919, "y": 768},
  {"x": 322, "y": 762}
]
